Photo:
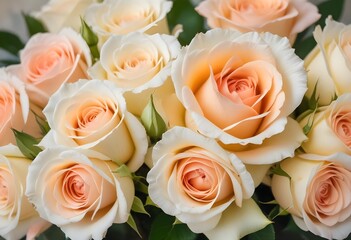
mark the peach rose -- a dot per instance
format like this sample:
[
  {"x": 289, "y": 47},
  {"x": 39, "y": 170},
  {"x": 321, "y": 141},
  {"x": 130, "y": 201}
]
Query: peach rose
[
  {"x": 14, "y": 109},
  {"x": 194, "y": 179},
  {"x": 331, "y": 128},
  {"x": 17, "y": 215},
  {"x": 328, "y": 65},
  {"x": 319, "y": 193},
  {"x": 79, "y": 193},
  {"x": 286, "y": 18},
  {"x": 140, "y": 64},
  {"x": 122, "y": 17},
  {"x": 48, "y": 60},
  {"x": 240, "y": 89},
  {"x": 92, "y": 114},
  {"x": 58, "y": 14}
]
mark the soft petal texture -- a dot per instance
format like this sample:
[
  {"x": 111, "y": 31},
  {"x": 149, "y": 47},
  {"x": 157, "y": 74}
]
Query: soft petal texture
[
  {"x": 333, "y": 121},
  {"x": 237, "y": 222},
  {"x": 140, "y": 64},
  {"x": 15, "y": 109},
  {"x": 16, "y": 213},
  {"x": 121, "y": 17},
  {"x": 194, "y": 179},
  {"x": 92, "y": 114},
  {"x": 58, "y": 14},
  {"x": 78, "y": 193},
  {"x": 239, "y": 88},
  {"x": 50, "y": 59},
  {"x": 328, "y": 64},
  {"x": 318, "y": 195},
  {"x": 282, "y": 17}
]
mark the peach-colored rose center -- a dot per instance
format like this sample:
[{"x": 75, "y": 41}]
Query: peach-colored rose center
[
  {"x": 7, "y": 103},
  {"x": 88, "y": 118},
  {"x": 341, "y": 125},
  {"x": 79, "y": 188},
  {"x": 328, "y": 197},
  {"x": 204, "y": 180},
  {"x": 7, "y": 191}
]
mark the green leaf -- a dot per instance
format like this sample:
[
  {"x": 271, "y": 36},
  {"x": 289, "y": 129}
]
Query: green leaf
[
  {"x": 183, "y": 12},
  {"x": 277, "y": 170},
  {"x": 138, "y": 206},
  {"x": 91, "y": 39},
  {"x": 52, "y": 232},
  {"x": 10, "y": 43},
  {"x": 163, "y": 228},
  {"x": 277, "y": 211},
  {"x": 264, "y": 234},
  {"x": 308, "y": 126},
  {"x": 123, "y": 171},
  {"x": 273, "y": 202},
  {"x": 27, "y": 144},
  {"x": 43, "y": 124},
  {"x": 149, "y": 202},
  {"x": 133, "y": 225},
  {"x": 7, "y": 62},
  {"x": 34, "y": 25},
  {"x": 141, "y": 187},
  {"x": 154, "y": 125},
  {"x": 305, "y": 47},
  {"x": 330, "y": 7}
]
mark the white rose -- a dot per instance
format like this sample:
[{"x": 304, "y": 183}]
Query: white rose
[
  {"x": 140, "y": 64},
  {"x": 329, "y": 63},
  {"x": 194, "y": 179},
  {"x": 80, "y": 194},
  {"x": 319, "y": 193},
  {"x": 122, "y": 17},
  {"x": 17, "y": 215},
  {"x": 57, "y": 14},
  {"x": 92, "y": 114}
]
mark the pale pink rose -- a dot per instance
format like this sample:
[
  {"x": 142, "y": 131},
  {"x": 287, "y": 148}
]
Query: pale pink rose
[
  {"x": 286, "y": 18},
  {"x": 14, "y": 109},
  {"x": 121, "y": 17},
  {"x": 50, "y": 59},
  {"x": 328, "y": 65},
  {"x": 58, "y": 14},
  {"x": 79, "y": 193},
  {"x": 319, "y": 193},
  {"x": 330, "y": 128},
  {"x": 241, "y": 89},
  {"x": 194, "y": 179},
  {"x": 17, "y": 215},
  {"x": 92, "y": 114}
]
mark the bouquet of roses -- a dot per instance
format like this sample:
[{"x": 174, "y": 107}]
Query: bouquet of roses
[{"x": 158, "y": 119}]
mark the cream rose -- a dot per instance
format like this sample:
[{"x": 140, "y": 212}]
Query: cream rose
[
  {"x": 329, "y": 63},
  {"x": 79, "y": 193},
  {"x": 319, "y": 193},
  {"x": 282, "y": 17},
  {"x": 92, "y": 114},
  {"x": 140, "y": 64},
  {"x": 122, "y": 17},
  {"x": 17, "y": 215},
  {"x": 14, "y": 109},
  {"x": 240, "y": 89},
  {"x": 50, "y": 59},
  {"x": 58, "y": 14},
  {"x": 331, "y": 128},
  {"x": 194, "y": 179}
]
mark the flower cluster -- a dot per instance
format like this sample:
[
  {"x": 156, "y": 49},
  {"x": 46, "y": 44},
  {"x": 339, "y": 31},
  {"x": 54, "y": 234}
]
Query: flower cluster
[{"x": 106, "y": 116}]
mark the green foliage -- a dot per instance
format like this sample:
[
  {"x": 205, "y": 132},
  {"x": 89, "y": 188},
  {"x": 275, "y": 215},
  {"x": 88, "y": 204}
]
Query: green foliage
[
  {"x": 34, "y": 25},
  {"x": 277, "y": 170},
  {"x": 10, "y": 43},
  {"x": 91, "y": 39},
  {"x": 264, "y": 234},
  {"x": 27, "y": 144}
]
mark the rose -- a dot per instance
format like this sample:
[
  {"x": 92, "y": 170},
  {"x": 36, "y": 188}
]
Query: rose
[
  {"x": 282, "y": 17},
  {"x": 328, "y": 64},
  {"x": 17, "y": 214},
  {"x": 14, "y": 109},
  {"x": 329, "y": 128},
  {"x": 122, "y": 17},
  {"x": 92, "y": 114},
  {"x": 79, "y": 193},
  {"x": 240, "y": 89},
  {"x": 48, "y": 60},
  {"x": 57, "y": 14},
  {"x": 140, "y": 64},
  {"x": 318, "y": 193},
  {"x": 194, "y": 179}
]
